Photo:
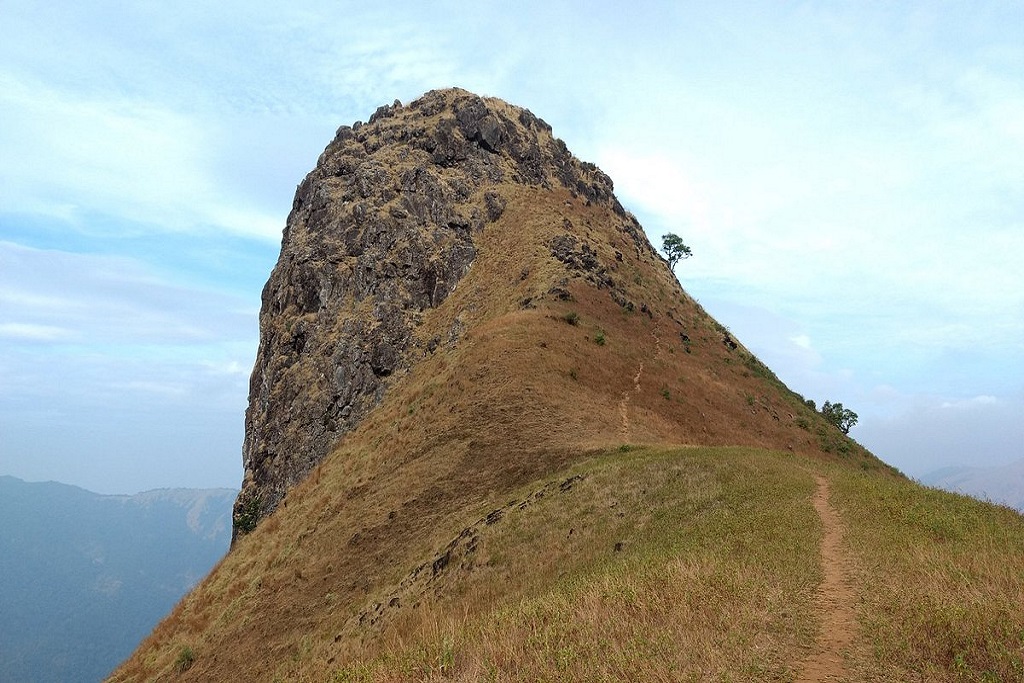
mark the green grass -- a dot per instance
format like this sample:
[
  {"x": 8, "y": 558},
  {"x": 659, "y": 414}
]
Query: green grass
[
  {"x": 715, "y": 572},
  {"x": 185, "y": 660},
  {"x": 941, "y": 580},
  {"x": 691, "y": 564},
  {"x": 714, "y": 579}
]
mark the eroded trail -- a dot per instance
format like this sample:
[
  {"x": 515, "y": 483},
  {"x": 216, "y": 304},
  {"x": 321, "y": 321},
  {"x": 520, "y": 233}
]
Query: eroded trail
[
  {"x": 624, "y": 404},
  {"x": 834, "y": 602},
  {"x": 624, "y": 431}
]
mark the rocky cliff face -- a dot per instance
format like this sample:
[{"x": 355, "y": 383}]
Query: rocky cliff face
[{"x": 380, "y": 231}]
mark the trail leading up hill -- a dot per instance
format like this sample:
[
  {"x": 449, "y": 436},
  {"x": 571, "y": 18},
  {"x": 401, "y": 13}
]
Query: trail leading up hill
[{"x": 834, "y": 600}]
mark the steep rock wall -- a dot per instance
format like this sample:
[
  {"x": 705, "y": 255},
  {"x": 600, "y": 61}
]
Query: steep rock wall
[{"x": 382, "y": 229}]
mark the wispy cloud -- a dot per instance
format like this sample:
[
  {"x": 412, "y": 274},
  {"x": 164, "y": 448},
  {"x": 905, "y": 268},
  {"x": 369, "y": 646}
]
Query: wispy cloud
[
  {"x": 934, "y": 432},
  {"x": 105, "y": 299},
  {"x": 34, "y": 332},
  {"x": 132, "y": 160},
  {"x": 101, "y": 358}
]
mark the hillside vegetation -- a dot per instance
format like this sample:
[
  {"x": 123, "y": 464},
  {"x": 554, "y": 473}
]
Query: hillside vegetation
[
  {"x": 573, "y": 473},
  {"x": 718, "y": 563},
  {"x": 640, "y": 564}
]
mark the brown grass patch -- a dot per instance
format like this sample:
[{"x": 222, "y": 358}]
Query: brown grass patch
[{"x": 716, "y": 566}]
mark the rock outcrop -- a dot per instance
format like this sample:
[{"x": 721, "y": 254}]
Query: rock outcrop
[{"x": 380, "y": 231}]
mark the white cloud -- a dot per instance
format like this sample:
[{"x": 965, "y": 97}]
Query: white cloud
[
  {"x": 966, "y": 404},
  {"x": 169, "y": 389},
  {"x": 34, "y": 332},
  {"x": 103, "y": 299},
  {"x": 660, "y": 185},
  {"x": 73, "y": 157},
  {"x": 106, "y": 363},
  {"x": 976, "y": 116},
  {"x": 801, "y": 340}
]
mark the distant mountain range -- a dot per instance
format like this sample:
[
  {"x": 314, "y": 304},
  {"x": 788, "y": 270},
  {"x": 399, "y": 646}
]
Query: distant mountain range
[
  {"x": 86, "y": 576},
  {"x": 1004, "y": 484}
]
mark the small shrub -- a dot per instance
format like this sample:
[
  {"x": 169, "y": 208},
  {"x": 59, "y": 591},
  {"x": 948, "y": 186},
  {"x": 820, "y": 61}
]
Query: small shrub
[
  {"x": 665, "y": 394},
  {"x": 573, "y": 374},
  {"x": 446, "y": 657},
  {"x": 599, "y": 339},
  {"x": 186, "y": 658},
  {"x": 572, "y": 317},
  {"x": 247, "y": 516}
]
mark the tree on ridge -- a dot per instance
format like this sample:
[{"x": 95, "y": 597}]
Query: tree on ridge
[{"x": 675, "y": 250}]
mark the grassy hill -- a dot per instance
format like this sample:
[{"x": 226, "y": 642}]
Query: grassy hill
[
  {"x": 593, "y": 480},
  {"x": 632, "y": 564}
]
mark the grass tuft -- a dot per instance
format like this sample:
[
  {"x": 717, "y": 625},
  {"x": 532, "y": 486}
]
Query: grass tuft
[{"x": 186, "y": 658}]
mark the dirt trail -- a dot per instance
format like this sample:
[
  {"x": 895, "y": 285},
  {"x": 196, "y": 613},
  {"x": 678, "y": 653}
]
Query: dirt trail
[
  {"x": 627, "y": 395},
  {"x": 834, "y": 601},
  {"x": 624, "y": 404}
]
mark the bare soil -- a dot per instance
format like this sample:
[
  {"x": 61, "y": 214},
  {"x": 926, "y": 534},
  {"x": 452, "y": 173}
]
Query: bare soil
[
  {"x": 624, "y": 403},
  {"x": 834, "y": 602}
]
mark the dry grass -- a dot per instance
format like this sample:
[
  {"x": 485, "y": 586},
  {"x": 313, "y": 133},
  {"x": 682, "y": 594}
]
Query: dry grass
[
  {"x": 941, "y": 581},
  {"x": 520, "y": 397},
  {"x": 713, "y": 581}
]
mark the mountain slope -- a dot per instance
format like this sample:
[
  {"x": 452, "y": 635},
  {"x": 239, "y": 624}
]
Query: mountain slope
[
  {"x": 631, "y": 564},
  {"x": 451, "y": 238},
  {"x": 86, "y": 577},
  {"x": 491, "y": 438}
]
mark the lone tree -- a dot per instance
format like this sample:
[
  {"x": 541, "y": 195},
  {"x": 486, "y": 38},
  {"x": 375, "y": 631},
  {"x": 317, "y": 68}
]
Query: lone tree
[
  {"x": 841, "y": 417},
  {"x": 675, "y": 250}
]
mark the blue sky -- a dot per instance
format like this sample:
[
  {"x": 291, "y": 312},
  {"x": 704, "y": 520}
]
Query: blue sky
[{"x": 850, "y": 177}]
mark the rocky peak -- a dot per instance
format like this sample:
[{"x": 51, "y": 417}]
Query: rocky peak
[{"x": 380, "y": 231}]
